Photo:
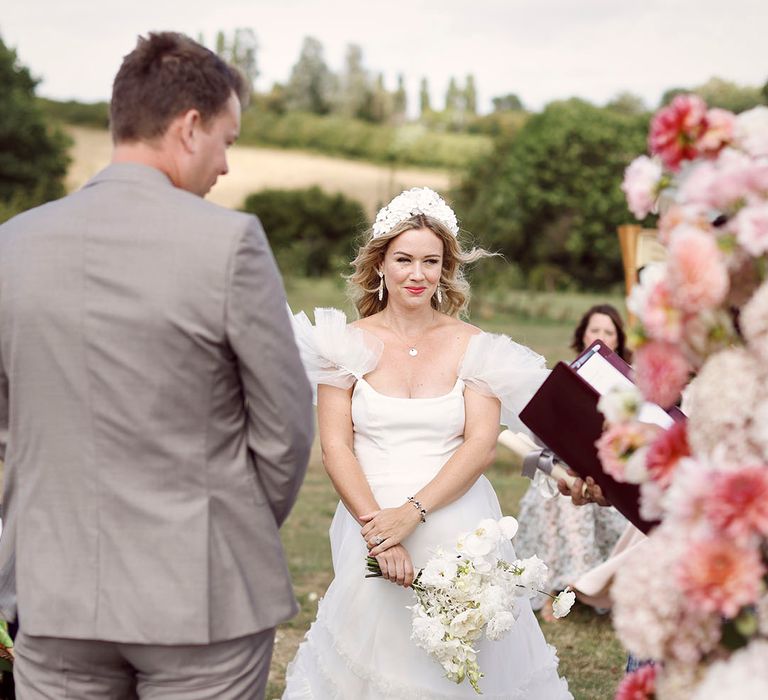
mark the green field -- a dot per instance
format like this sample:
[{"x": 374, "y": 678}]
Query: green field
[{"x": 591, "y": 658}]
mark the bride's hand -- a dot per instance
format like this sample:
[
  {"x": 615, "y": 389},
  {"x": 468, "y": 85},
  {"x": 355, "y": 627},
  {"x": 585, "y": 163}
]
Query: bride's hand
[
  {"x": 396, "y": 565},
  {"x": 388, "y": 527}
]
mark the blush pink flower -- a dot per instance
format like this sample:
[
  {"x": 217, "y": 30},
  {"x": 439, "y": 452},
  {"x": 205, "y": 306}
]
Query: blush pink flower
[
  {"x": 666, "y": 451},
  {"x": 621, "y": 450},
  {"x": 683, "y": 212},
  {"x": 686, "y": 498},
  {"x": 676, "y": 129},
  {"x": 661, "y": 372},
  {"x": 719, "y": 131},
  {"x": 751, "y": 131},
  {"x": 650, "y": 614},
  {"x": 723, "y": 184},
  {"x": 641, "y": 185},
  {"x": 718, "y": 575},
  {"x": 751, "y": 225},
  {"x": 698, "y": 277},
  {"x": 706, "y": 333},
  {"x": 661, "y": 318},
  {"x": 638, "y": 685},
  {"x": 738, "y": 505}
]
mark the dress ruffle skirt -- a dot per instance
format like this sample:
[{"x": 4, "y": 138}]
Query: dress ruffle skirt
[{"x": 359, "y": 647}]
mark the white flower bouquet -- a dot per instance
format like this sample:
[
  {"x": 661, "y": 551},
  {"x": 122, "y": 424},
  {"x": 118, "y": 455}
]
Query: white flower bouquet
[{"x": 470, "y": 592}]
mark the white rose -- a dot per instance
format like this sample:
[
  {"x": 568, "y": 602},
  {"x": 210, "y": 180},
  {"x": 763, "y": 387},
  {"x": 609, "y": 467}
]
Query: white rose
[
  {"x": 563, "y": 603},
  {"x": 620, "y": 404},
  {"x": 427, "y": 632},
  {"x": 467, "y": 624},
  {"x": 534, "y": 573},
  {"x": 491, "y": 599},
  {"x": 499, "y": 625},
  {"x": 440, "y": 571}
]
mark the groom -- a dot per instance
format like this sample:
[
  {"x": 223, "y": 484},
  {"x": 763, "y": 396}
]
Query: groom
[{"x": 155, "y": 418}]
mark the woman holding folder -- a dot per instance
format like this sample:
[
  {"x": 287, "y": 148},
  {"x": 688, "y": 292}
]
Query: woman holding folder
[{"x": 573, "y": 540}]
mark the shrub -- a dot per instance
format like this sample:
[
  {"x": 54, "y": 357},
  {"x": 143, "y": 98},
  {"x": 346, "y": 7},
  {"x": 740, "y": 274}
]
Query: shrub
[{"x": 311, "y": 232}]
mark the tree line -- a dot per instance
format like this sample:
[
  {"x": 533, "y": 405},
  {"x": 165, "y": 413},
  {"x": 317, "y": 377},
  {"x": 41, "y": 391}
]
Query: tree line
[
  {"x": 355, "y": 91},
  {"x": 545, "y": 194}
]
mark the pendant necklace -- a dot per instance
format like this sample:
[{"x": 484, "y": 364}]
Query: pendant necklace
[{"x": 412, "y": 349}]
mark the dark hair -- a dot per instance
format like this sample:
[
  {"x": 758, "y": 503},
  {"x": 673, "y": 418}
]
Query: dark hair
[
  {"x": 163, "y": 77},
  {"x": 577, "y": 343}
]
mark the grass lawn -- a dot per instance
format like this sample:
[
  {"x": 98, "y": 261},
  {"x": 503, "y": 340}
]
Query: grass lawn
[{"x": 591, "y": 657}]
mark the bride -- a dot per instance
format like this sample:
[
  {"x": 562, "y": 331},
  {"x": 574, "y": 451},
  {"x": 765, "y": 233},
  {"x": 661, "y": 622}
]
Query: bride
[{"x": 409, "y": 400}]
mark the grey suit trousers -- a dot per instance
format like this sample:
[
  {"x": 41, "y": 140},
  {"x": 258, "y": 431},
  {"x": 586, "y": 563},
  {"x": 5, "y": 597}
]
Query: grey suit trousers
[{"x": 50, "y": 668}]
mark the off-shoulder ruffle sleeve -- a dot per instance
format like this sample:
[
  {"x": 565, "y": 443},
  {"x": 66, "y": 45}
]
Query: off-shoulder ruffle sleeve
[
  {"x": 332, "y": 351},
  {"x": 495, "y": 365}
]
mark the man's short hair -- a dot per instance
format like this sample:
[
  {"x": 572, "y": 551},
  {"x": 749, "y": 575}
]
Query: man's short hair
[{"x": 163, "y": 77}]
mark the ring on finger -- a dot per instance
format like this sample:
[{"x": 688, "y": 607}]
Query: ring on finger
[{"x": 377, "y": 540}]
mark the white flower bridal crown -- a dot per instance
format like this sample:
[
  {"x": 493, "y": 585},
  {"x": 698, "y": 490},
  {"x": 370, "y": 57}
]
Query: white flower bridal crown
[{"x": 418, "y": 200}]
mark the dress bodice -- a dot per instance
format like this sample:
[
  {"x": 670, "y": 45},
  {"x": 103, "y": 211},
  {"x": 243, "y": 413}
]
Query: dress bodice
[
  {"x": 401, "y": 437},
  {"x": 341, "y": 355}
]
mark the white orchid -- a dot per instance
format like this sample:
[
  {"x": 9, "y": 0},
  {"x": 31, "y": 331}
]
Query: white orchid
[{"x": 508, "y": 526}]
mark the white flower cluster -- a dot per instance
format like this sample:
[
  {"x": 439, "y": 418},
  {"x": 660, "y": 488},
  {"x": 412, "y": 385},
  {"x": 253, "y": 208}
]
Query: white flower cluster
[
  {"x": 418, "y": 200},
  {"x": 620, "y": 404},
  {"x": 741, "y": 677},
  {"x": 472, "y": 591}
]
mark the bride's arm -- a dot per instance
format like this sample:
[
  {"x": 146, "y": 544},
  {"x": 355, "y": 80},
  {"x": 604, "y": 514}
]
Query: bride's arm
[
  {"x": 334, "y": 411},
  {"x": 334, "y": 415},
  {"x": 459, "y": 473}
]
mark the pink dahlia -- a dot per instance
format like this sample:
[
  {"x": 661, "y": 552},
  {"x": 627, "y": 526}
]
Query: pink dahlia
[
  {"x": 661, "y": 372},
  {"x": 738, "y": 505},
  {"x": 666, "y": 451},
  {"x": 638, "y": 685},
  {"x": 698, "y": 277},
  {"x": 676, "y": 130},
  {"x": 718, "y": 575}
]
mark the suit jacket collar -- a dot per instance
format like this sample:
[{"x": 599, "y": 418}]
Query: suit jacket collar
[{"x": 131, "y": 172}]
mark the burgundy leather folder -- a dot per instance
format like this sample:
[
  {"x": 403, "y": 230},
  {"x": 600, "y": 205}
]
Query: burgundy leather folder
[{"x": 563, "y": 415}]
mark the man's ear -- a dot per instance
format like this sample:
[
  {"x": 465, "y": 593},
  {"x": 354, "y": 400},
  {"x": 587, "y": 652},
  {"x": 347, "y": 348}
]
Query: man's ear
[{"x": 189, "y": 126}]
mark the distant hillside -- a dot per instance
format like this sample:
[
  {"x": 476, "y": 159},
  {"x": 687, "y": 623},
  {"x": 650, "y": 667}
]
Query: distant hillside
[
  {"x": 408, "y": 144},
  {"x": 253, "y": 169}
]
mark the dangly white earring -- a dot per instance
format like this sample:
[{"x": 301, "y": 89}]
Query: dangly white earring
[
  {"x": 381, "y": 286},
  {"x": 439, "y": 295}
]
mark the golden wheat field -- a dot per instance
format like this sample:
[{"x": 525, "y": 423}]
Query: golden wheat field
[{"x": 252, "y": 169}]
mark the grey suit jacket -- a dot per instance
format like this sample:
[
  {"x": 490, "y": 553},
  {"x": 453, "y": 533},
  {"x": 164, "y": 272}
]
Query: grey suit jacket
[{"x": 155, "y": 418}]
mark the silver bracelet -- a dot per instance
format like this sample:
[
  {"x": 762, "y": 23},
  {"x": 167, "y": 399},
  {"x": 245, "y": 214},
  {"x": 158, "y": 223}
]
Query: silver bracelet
[{"x": 417, "y": 505}]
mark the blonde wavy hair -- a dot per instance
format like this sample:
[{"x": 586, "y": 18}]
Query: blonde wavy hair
[{"x": 363, "y": 283}]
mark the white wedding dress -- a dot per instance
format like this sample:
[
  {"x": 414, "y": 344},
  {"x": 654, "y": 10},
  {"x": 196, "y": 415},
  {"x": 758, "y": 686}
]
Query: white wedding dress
[{"x": 359, "y": 647}]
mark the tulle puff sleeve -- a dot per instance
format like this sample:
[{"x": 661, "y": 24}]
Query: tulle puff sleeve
[
  {"x": 495, "y": 365},
  {"x": 332, "y": 351}
]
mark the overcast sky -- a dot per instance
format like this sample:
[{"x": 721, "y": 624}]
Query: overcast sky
[{"x": 539, "y": 49}]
